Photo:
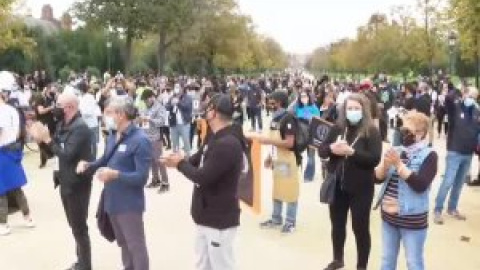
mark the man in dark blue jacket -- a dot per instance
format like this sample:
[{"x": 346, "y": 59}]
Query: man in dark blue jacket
[
  {"x": 124, "y": 169},
  {"x": 180, "y": 109},
  {"x": 463, "y": 131}
]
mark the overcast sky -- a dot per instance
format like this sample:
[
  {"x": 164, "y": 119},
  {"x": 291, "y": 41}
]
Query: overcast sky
[{"x": 299, "y": 25}]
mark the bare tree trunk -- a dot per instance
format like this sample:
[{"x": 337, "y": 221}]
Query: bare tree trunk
[
  {"x": 128, "y": 51},
  {"x": 162, "y": 50}
]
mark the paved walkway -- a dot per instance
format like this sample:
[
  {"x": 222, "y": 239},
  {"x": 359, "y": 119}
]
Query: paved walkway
[{"x": 170, "y": 232}]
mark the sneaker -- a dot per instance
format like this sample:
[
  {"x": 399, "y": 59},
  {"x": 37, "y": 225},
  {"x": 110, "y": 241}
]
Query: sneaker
[
  {"x": 28, "y": 222},
  {"x": 438, "y": 219},
  {"x": 4, "y": 229},
  {"x": 153, "y": 185},
  {"x": 164, "y": 188},
  {"x": 456, "y": 215},
  {"x": 335, "y": 265},
  {"x": 288, "y": 228},
  {"x": 270, "y": 224},
  {"x": 474, "y": 183}
]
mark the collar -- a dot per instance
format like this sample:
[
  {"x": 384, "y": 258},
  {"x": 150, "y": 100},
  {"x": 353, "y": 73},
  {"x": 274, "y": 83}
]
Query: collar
[{"x": 129, "y": 130}]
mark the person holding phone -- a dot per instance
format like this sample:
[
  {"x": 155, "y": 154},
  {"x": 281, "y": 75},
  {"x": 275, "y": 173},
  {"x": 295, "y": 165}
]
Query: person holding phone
[{"x": 407, "y": 173}]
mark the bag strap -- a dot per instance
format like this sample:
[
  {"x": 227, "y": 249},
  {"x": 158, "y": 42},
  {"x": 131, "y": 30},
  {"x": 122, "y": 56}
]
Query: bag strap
[{"x": 115, "y": 147}]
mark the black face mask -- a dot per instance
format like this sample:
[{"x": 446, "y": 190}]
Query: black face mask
[
  {"x": 58, "y": 113},
  {"x": 407, "y": 138}
]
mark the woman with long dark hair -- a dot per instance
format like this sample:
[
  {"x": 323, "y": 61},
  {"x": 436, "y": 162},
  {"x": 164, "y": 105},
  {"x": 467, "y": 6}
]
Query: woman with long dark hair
[
  {"x": 354, "y": 149},
  {"x": 305, "y": 109}
]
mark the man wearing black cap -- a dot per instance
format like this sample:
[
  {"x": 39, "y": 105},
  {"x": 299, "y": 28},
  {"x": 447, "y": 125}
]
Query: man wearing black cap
[
  {"x": 284, "y": 160},
  {"x": 215, "y": 170}
]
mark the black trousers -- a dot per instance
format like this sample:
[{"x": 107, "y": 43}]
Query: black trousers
[
  {"x": 360, "y": 206},
  {"x": 76, "y": 209},
  {"x": 383, "y": 125},
  {"x": 165, "y": 133}
]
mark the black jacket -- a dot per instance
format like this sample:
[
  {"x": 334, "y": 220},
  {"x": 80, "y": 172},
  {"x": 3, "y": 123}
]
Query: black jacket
[
  {"x": 215, "y": 170},
  {"x": 423, "y": 104},
  {"x": 359, "y": 169},
  {"x": 71, "y": 144}
]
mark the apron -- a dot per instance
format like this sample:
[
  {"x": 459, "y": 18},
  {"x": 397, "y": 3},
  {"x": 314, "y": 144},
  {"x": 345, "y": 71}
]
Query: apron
[{"x": 286, "y": 176}]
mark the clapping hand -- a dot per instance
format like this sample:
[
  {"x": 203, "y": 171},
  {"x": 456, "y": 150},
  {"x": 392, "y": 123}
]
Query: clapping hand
[
  {"x": 81, "y": 167},
  {"x": 172, "y": 160},
  {"x": 392, "y": 158},
  {"x": 341, "y": 148},
  {"x": 106, "y": 174},
  {"x": 39, "y": 132}
]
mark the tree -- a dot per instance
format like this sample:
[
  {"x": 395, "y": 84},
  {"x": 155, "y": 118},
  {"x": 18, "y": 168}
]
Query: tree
[
  {"x": 131, "y": 18},
  {"x": 465, "y": 14},
  {"x": 12, "y": 30}
]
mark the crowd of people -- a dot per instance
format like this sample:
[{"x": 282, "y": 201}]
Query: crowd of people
[{"x": 382, "y": 132}]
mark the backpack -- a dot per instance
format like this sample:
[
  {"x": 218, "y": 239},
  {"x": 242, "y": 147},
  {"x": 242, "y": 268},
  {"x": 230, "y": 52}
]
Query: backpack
[{"x": 302, "y": 132}]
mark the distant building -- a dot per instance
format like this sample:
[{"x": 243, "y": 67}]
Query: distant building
[{"x": 47, "y": 22}]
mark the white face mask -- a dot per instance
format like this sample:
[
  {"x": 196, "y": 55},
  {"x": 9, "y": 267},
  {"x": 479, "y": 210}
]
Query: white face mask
[{"x": 109, "y": 123}]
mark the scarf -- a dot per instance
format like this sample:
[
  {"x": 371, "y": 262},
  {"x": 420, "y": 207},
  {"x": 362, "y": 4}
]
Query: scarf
[{"x": 415, "y": 148}]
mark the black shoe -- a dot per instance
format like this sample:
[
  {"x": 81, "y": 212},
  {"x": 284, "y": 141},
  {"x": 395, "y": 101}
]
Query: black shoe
[
  {"x": 153, "y": 185},
  {"x": 335, "y": 265},
  {"x": 474, "y": 183},
  {"x": 75, "y": 266},
  {"x": 164, "y": 188}
]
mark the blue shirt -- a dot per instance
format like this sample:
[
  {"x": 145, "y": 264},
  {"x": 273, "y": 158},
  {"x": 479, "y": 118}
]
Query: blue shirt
[
  {"x": 132, "y": 158},
  {"x": 307, "y": 112}
]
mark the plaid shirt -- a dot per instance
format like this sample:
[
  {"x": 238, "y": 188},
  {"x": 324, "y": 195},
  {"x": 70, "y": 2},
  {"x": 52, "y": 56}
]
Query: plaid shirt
[{"x": 157, "y": 115}]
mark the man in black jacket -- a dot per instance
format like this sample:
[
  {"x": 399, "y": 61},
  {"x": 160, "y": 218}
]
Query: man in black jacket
[
  {"x": 68, "y": 144},
  {"x": 215, "y": 170}
]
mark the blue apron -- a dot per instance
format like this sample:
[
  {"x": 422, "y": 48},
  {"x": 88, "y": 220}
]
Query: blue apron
[{"x": 12, "y": 174}]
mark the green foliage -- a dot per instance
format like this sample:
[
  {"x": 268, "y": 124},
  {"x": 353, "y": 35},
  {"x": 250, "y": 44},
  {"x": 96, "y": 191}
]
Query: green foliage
[
  {"x": 94, "y": 71},
  {"x": 64, "y": 73}
]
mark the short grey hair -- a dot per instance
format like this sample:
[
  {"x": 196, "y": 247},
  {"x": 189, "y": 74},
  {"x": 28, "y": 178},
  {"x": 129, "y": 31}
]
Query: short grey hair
[{"x": 122, "y": 105}]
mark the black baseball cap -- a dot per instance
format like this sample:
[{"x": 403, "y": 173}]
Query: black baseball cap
[
  {"x": 222, "y": 104},
  {"x": 280, "y": 97}
]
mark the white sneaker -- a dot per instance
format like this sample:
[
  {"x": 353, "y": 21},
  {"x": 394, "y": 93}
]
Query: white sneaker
[
  {"x": 4, "y": 229},
  {"x": 28, "y": 222}
]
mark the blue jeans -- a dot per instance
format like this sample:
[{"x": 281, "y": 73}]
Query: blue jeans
[
  {"x": 458, "y": 166},
  {"x": 256, "y": 114},
  {"x": 309, "y": 173},
  {"x": 181, "y": 131},
  {"x": 291, "y": 212},
  {"x": 396, "y": 137},
  {"x": 413, "y": 242}
]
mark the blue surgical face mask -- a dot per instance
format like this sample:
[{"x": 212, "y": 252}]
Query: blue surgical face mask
[
  {"x": 469, "y": 102},
  {"x": 354, "y": 116}
]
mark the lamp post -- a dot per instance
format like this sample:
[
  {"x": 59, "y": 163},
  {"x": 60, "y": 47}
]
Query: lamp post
[{"x": 452, "y": 43}]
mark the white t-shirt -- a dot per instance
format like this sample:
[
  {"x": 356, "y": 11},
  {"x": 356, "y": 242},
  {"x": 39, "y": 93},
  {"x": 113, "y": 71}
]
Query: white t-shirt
[{"x": 9, "y": 124}]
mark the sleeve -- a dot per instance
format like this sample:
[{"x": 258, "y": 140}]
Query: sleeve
[
  {"x": 370, "y": 157},
  {"x": 420, "y": 181},
  {"x": 143, "y": 160},
  {"x": 224, "y": 155},
  {"x": 289, "y": 127},
  {"x": 74, "y": 145},
  {"x": 324, "y": 149}
]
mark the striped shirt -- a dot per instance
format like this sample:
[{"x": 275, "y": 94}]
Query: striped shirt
[{"x": 419, "y": 182}]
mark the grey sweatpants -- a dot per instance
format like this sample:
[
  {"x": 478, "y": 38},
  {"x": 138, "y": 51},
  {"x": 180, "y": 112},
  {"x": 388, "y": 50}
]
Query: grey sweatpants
[
  {"x": 21, "y": 201},
  {"x": 214, "y": 248},
  {"x": 130, "y": 234}
]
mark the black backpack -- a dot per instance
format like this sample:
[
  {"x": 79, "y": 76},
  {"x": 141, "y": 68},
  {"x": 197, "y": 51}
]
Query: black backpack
[{"x": 302, "y": 132}]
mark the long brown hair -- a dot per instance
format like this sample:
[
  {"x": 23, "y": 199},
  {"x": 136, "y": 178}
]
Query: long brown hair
[{"x": 366, "y": 123}]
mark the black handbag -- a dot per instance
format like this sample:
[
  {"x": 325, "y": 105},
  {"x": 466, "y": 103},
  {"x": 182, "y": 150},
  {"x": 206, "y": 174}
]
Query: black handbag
[
  {"x": 103, "y": 221},
  {"x": 327, "y": 189}
]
